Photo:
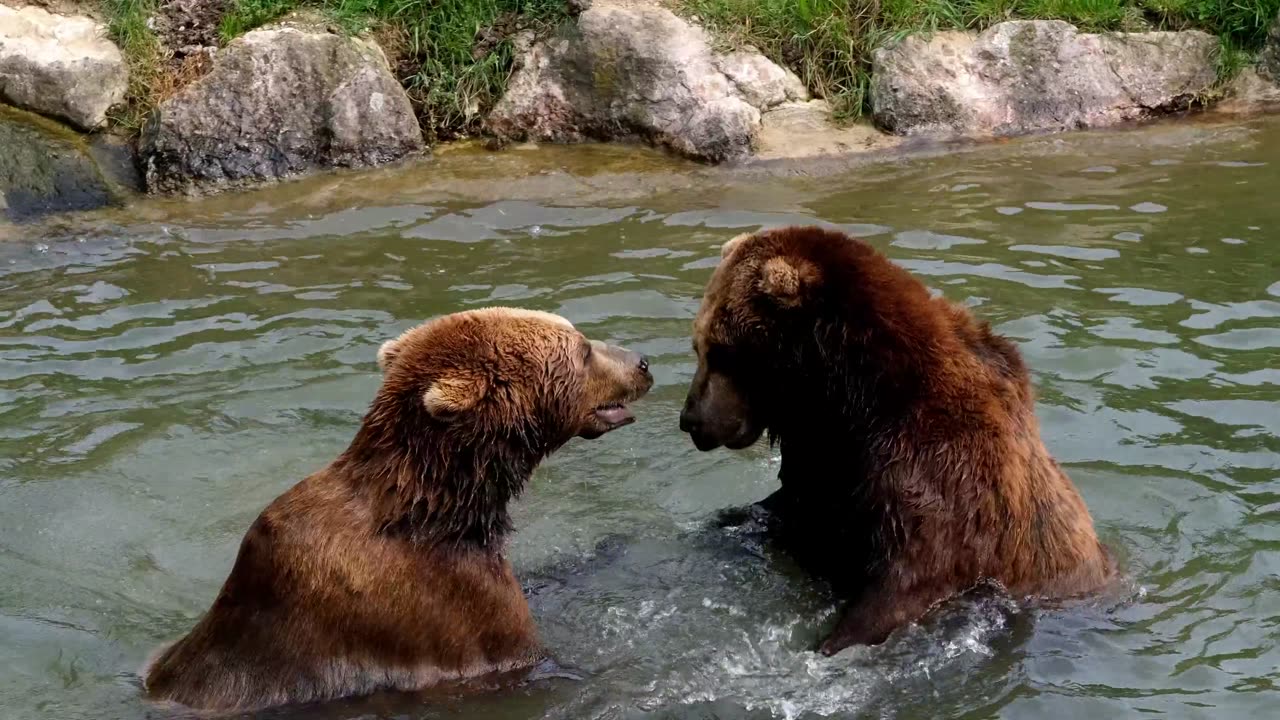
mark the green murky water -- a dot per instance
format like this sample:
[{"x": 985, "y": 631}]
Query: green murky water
[{"x": 166, "y": 370}]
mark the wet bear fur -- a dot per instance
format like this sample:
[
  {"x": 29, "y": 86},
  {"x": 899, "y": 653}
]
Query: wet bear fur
[
  {"x": 385, "y": 570},
  {"x": 912, "y": 464}
]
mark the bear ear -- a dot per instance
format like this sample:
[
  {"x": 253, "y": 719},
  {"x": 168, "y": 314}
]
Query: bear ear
[
  {"x": 732, "y": 245},
  {"x": 391, "y": 349},
  {"x": 786, "y": 281},
  {"x": 387, "y": 352},
  {"x": 450, "y": 396}
]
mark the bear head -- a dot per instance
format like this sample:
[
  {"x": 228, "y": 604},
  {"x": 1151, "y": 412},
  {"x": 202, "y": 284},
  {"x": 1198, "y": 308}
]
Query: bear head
[
  {"x": 510, "y": 374},
  {"x": 753, "y": 330}
]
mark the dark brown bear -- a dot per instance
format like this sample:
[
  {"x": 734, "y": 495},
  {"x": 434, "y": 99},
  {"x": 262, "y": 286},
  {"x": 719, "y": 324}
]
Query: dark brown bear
[
  {"x": 385, "y": 570},
  {"x": 912, "y": 464}
]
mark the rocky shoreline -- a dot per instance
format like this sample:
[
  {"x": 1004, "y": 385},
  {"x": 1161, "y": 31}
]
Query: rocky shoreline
[{"x": 297, "y": 97}]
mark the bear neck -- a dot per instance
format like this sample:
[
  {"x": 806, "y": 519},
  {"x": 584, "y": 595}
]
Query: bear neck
[
  {"x": 434, "y": 487},
  {"x": 880, "y": 385},
  {"x": 881, "y": 371}
]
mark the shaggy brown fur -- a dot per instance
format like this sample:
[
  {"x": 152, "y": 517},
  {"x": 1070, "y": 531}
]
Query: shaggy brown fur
[
  {"x": 385, "y": 570},
  {"x": 912, "y": 463}
]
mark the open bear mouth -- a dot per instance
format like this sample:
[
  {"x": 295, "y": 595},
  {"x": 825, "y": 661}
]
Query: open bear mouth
[{"x": 614, "y": 415}]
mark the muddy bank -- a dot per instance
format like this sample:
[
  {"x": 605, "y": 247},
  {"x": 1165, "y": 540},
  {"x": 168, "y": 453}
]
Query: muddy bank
[{"x": 592, "y": 175}]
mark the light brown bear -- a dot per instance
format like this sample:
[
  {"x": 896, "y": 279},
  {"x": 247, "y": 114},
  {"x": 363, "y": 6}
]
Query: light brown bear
[
  {"x": 912, "y": 463},
  {"x": 385, "y": 569}
]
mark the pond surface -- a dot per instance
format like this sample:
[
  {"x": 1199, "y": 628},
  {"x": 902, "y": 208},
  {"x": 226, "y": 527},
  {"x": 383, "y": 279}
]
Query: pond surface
[{"x": 168, "y": 369}]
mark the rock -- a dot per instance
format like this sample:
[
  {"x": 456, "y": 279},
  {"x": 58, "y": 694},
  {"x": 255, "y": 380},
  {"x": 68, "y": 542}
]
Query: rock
[
  {"x": 628, "y": 70},
  {"x": 759, "y": 81},
  {"x": 279, "y": 103},
  {"x": 46, "y": 169},
  {"x": 796, "y": 130},
  {"x": 1269, "y": 58},
  {"x": 60, "y": 66},
  {"x": 1252, "y": 91},
  {"x": 117, "y": 161},
  {"x": 1038, "y": 75}
]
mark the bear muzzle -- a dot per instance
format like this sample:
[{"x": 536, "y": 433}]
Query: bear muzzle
[
  {"x": 716, "y": 414},
  {"x": 633, "y": 381}
]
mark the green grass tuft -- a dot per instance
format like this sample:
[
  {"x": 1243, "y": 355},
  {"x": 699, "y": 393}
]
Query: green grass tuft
[
  {"x": 127, "y": 27},
  {"x": 1231, "y": 60},
  {"x": 1243, "y": 23},
  {"x": 245, "y": 15},
  {"x": 1088, "y": 15},
  {"x": 451, "y": 74}
]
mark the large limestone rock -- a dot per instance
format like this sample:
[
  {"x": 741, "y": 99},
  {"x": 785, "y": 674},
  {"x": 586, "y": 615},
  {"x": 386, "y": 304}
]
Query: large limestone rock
[
  {"x": 278, "y": 103},
  {"x": 1029, "y": 76},
  {"x": 60, "y": 66},
  {"x": 634, "y": 70}
]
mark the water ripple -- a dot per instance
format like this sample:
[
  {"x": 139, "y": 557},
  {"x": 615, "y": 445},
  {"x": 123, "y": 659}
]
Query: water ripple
[{"x": 163, "y": 378}]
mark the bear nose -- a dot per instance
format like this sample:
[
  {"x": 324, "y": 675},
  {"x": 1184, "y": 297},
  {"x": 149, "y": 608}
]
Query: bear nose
[
  {"x": 688, "y": 420},
  {"x": 644, "y": 363}
]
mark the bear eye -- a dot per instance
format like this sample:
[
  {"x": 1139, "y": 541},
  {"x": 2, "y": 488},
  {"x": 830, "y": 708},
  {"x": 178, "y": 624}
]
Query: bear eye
[{"x": 719, "y": 355}]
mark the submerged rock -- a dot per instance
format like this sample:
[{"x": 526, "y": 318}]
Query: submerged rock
[
  {"x": 1036, "y": 75},
  {"x": 279, "y": 103},
  {"x": 46, "y": 169},
  {"x": 60, "y": 66},
  {"x": 625, "y": 70}
]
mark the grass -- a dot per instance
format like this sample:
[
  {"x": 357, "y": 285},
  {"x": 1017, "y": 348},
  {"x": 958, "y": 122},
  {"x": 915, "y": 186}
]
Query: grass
[
  {"x": 828, "y": 43},
  {"x": 245, "y": 15},
  {"x": 127, "y": 26},
  {"x": 454, "y": 57},
  {"x": 1243, "y": 23},
  {"x": 454, "y": 79}
]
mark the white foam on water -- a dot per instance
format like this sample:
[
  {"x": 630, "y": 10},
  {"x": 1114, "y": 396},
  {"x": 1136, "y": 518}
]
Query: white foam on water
[{"x": 768, "y": 670}]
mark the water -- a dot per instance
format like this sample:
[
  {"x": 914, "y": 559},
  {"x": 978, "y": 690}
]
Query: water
[{"x": 168, "y": 369}]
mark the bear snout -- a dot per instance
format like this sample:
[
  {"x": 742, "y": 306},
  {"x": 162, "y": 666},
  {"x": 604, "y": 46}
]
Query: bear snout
[
  {"x": 717, "y": 414},
  {"x": 689, "y": 420},
  {"x": 691, "y": 423}
]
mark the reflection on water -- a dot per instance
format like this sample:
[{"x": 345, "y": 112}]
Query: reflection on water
[{"x": 166, "y": 370}]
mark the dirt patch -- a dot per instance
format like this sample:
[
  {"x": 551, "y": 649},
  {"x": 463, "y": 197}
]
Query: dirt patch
[
  {"x": 184, "y": 26},
  {"x": 188, "y": 32}
]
